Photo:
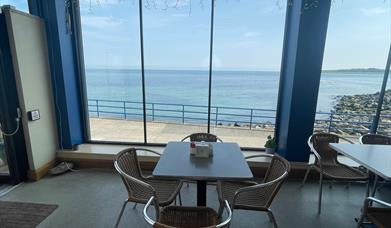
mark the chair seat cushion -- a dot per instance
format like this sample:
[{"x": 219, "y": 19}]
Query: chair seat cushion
[
  {"x": 253, "y": 201},
  {"x": 187, "y": 217},
  {"x": 381, "y": 217},
  {"x": 343, "y": 172}
]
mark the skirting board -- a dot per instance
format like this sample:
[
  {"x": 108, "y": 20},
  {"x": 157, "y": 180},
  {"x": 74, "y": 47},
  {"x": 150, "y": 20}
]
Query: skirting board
[{"x": 35, "y": 175}]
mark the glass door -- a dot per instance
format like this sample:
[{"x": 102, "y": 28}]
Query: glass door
[{"x": 4, "y": 171}]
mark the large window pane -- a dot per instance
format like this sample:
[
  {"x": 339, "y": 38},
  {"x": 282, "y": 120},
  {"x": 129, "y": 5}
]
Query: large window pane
[
  {"x": 176, "y": 43},
  {"x": 358, "y": 39},
  {"x": 113, "y": 73},
  {"x": 246, "y": 62}
]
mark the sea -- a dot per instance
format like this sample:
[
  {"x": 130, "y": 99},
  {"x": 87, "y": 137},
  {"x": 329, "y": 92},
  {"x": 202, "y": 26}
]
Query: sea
[{"x": 182, "y": 95}]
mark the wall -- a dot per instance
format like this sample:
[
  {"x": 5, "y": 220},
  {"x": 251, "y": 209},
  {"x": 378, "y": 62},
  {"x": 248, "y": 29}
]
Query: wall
[{"x": 30, "y": 59}]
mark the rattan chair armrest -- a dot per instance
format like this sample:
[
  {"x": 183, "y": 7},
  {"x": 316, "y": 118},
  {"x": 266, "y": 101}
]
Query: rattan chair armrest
[
  {"x": 345, "y": 139},
  {"x": 360, "y": 139},
  {"x": 218, "y": 139},
  {"x": 149, "y": 151},
  {"x": 228, "y": 219},
  {"x": 148, "y": 219},
  {"x": 152, "y": 222},
  {"x": 259, "y": 156},
  {"x": 372, "y": 199},
  {"x": 130, "y": 178},
  {"x": 317, "y": 155},
  {"x": 257, "y": 186},
  {"x": 185, "y": 138}
]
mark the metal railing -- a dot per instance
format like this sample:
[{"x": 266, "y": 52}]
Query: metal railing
[{"x": 222, "y": 115}]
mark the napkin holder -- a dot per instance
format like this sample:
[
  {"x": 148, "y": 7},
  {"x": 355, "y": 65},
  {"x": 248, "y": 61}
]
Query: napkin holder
[{"x": 203, "y": 150}]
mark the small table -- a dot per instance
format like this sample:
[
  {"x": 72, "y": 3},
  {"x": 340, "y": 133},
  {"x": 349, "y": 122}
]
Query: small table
[
  {"x": 227, "y": 163},
  {"x": 376, "y": 158}
]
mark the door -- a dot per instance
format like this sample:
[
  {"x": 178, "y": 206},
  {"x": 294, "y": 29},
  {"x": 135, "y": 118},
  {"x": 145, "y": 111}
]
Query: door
[{"x": 13, "y": 155}]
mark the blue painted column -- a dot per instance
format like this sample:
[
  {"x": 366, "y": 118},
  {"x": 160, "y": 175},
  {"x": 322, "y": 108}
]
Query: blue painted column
[
  {"x": 64, "y": 71},
  {"x": 304, "y": 41}
]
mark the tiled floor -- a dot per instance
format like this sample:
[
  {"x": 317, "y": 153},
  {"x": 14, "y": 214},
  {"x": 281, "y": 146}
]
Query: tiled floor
[{"x": 92, "y": 198}]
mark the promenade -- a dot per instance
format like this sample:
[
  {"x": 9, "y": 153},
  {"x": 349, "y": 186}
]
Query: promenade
[{"x": 159, "y": 132}]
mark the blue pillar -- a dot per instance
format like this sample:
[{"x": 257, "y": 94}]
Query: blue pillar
[
  {"x": 64, "y": 71},
  {"x": 304, "y": 41}
]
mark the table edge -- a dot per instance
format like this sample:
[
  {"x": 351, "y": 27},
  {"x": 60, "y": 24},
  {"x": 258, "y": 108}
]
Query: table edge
[{"x": 335, "y": 147}]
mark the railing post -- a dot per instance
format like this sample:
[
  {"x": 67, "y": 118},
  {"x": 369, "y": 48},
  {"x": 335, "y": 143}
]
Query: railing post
[
  {"x": 153, "y": 111},
  {"x": 217, "y": 114},
  {"x": 125, "y": 110},
  {"x": 97, "y": 107},
  {"x": 251, "y": 118},
  {"x": 183, "y": 114},
  {"x": 330, "y": 122}
]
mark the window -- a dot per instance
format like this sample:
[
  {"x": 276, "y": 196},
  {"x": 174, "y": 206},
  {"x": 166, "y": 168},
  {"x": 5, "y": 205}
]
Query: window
[
  {"x": 111, "y": 46},
  {"x": 176, "y": 44},
  {"x": 21, "y": 5},
  {"x": 246, "y": 62},
  {"x": 358, "y": 39},
  {"x": 176, "y": 50}
]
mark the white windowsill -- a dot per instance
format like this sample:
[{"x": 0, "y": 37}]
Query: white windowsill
[{"x": 108, "y": 152}]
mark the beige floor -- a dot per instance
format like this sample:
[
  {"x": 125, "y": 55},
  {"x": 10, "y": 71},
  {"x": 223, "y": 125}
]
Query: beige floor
[{"x": 132, "y": 131}]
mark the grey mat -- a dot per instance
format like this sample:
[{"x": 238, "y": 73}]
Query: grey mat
[{"x": 23, "y": 215}]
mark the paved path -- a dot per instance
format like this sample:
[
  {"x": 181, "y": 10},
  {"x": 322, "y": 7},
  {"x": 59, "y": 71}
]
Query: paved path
[{"x": 132, "y": 131}]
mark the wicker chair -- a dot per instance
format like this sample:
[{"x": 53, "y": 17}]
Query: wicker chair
[
  {"x": 326, "y": 162},
  {"x": 379, "y": 140},
  {"x": 375, "y": 139},
  {"x": 199, "y": 137},
  {"x": 253, "y": 195},
  {"x": 206, "y": 137},
  {"x": 380, "y": 216},
  {"x": 185, "y": 217},
  {"x": 141, "y": 188}
]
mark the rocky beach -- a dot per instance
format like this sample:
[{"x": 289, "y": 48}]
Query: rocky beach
[{"x": 353, "y": 114}]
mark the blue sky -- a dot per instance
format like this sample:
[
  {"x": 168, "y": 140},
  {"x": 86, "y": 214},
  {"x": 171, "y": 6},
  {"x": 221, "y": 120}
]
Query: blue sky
[{"x": 248, "y": 33}]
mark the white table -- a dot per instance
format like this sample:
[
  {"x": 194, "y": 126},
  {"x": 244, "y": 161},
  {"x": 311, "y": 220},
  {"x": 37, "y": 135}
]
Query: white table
[{"x": 376, "y": 158}]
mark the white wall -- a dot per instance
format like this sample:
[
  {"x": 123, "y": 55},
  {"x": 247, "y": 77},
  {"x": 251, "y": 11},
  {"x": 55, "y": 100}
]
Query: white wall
[{"x": 30, "y": 59}]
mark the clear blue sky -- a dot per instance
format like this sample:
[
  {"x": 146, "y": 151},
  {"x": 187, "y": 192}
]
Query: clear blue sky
[{"x": 248, "y": 33}]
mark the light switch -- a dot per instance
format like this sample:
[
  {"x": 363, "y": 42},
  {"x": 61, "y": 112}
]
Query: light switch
[{"x": 34, "y": 115}]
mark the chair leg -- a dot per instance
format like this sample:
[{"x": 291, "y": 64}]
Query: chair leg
[
  {"x": 331, "y": 184},
  {"x": 375, "y": 185},
  {"x": 120, "y": 214},
  {"x": 271, "y": 217},
  {"x": 221, "y": 209},
  {"x": 360, "y": 221},
  {"x": 320, "y": 192},
  {"x": 368, "y": 189},
  {"x": 180, "y": 199},
  {"x": 135, "y": 205},
  {"x": 306, "y": 175}
]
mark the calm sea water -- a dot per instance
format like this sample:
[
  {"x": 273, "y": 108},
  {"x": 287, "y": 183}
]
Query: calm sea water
[{"x": 238, "y": 89}]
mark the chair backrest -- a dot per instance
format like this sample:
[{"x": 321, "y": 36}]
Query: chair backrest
[
  {"x": 206, "y": 137},
  {"x": 375, "y": 139},
  {"x": 276, "y": 174},
  {"x": 320, "y": 142},
  {"x": 127, "y": 165}
]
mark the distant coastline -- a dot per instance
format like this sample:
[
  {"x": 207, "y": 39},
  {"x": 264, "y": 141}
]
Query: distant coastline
[
  {"x": 352, "y": 70},
  {"x": 355, "y": 70}
]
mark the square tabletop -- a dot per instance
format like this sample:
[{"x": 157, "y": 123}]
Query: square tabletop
[
  {"x": 376, "y": 158},
  {"x": 227, "y": 163}
]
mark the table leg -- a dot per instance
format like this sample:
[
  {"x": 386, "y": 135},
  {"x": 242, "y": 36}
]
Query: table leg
[{"x": 201, "y": 193}]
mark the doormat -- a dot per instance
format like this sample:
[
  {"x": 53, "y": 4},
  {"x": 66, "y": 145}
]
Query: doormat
[{"x": 26, "y": 215}]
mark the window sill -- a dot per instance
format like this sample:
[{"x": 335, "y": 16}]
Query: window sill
[{"x": 108, "y": 152}]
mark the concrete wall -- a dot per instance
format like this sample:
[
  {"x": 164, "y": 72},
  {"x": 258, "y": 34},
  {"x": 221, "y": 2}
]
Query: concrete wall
[{"x": 32, "y": 72}]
